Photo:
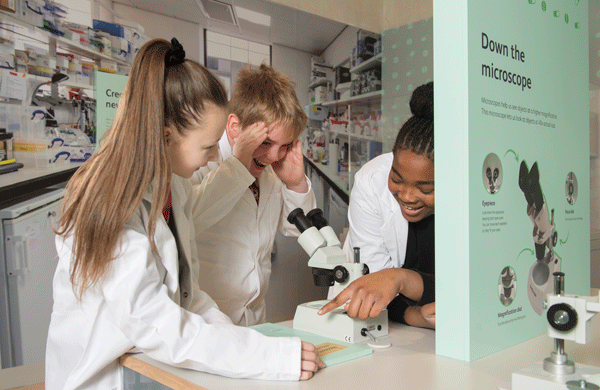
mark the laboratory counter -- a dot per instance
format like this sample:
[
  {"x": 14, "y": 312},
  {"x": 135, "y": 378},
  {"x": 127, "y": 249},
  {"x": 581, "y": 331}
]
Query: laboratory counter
[
  {"x": 411, "y": 363},
  {"x": 28, "y": 180},
  {"x": 331, "y": 176}
]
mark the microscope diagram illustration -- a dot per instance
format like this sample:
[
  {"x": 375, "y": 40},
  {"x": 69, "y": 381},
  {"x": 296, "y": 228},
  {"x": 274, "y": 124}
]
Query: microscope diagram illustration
[
  {"x": 492, "y": 177},
  {"x": 571, "y": 188},
  {"x": 545, "y": 237},
  {"x": 507, "y": 286},
  {"x": 492, "y": 173}
]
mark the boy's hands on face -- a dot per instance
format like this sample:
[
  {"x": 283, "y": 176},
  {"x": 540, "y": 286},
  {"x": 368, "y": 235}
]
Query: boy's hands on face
[
  {"x": 290, "y": 169},
  {"x": 247, "y": 141}
]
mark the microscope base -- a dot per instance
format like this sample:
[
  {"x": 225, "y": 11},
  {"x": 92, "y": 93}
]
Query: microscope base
[
  {"x": 336, "y": 324},
  {"x": 535, "y": 377}
]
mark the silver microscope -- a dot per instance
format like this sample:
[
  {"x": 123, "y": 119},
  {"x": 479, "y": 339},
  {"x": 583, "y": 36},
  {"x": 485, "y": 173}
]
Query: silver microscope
[
  {"x": 330, "y": 265},
  {"x": 568, "y": 318}
]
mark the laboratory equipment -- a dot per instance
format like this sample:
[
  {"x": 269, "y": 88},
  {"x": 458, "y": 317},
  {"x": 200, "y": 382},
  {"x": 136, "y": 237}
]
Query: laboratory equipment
[
  {"x": 28, "y": 261},
  {"x": 568, "y": 318},
  {"x": 545, "y": 237},
  {"x": 7, "y": 155},
  {"x": 32, "y": 99},
  {"x": 330, "y": 265}
]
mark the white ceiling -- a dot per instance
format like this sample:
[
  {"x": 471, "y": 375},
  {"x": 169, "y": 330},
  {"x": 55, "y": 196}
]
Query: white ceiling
[{"x": 289, "y": 27}]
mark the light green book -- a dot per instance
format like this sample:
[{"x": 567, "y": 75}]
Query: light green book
[{"x": 331, "y": 351}]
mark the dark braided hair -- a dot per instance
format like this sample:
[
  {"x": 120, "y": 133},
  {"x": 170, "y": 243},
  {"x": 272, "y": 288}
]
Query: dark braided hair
[{"x": 417, "y": 133}]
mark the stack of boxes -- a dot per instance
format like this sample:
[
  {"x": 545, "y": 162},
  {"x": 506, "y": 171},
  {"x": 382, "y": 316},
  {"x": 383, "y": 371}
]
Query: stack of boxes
[
  {"x": 367, "y": 81},
  {"x": 125, "y": 39},
  {"x": 342, "y": 76},
  {"x": 320, "y": 74},
  {"x": 367, "y": 45}
]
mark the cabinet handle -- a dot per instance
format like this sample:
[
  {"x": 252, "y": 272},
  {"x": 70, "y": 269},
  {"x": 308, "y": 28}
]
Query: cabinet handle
[{"x": 15, "y": 256}]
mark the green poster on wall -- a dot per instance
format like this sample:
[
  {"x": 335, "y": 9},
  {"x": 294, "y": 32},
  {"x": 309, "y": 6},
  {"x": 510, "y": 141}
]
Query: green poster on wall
[
  {"x": 512, "y": 167},
  {"x": 108, "y": 89}
]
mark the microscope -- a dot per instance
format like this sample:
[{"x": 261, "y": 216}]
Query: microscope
[
  {"x": 330, "y": 265},
  {"x": 568, "y": 318},
  {"x": 492, "y": 177},
  {"x": 545, "y": 237}
]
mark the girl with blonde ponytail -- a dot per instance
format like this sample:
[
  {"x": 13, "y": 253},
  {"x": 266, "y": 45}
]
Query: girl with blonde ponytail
[{"x": 127, "y": 273}]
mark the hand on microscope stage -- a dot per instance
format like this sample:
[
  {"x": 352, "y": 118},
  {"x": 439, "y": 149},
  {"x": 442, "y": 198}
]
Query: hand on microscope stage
[
  {"x": 421, "y": 316},
  {"x": 370, "y": 294},
  {"x": 290, "y": 169},
  {"x": 246, "y": 141},
  {"x": 311, "y": 362}
]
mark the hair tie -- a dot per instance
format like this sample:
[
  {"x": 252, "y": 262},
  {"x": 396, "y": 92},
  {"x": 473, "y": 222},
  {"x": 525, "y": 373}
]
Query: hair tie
[{"x": 176, "y": 55}]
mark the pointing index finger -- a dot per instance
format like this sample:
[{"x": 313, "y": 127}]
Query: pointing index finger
[{"x": 336, "y": 302}]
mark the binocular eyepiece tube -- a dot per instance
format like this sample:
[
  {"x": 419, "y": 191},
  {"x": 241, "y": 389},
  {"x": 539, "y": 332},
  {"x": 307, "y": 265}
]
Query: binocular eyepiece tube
[{"x": 313, "y": 218}]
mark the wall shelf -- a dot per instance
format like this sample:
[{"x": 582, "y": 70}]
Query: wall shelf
[
  {"x": 319, "y": 82},
  {"x": 7, "y": 22},
  {"x": 368, "y": 64},
  {"x": 353, "y": 135},
  {"x": 42, "y": 79},
  {"x": 367, "y": 98}
]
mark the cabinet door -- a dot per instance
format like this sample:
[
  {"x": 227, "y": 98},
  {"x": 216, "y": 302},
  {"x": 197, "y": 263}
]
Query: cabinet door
[
  {"x": 31, "y": 259},
  {"x": 338, "y": 213},
  {"x": 317, "y": 183}
]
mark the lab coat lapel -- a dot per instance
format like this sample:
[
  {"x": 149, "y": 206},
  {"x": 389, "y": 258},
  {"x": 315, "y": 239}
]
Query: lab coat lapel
[
  {"x": 181, "y": 221},
  {"x": 266, "y": 182},
  {"x": 394, "y": 230},
  {"x": 163, "y": 234}
]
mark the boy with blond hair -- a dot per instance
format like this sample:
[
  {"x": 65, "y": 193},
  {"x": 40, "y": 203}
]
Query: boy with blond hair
[{"x": 245, "y": 197}]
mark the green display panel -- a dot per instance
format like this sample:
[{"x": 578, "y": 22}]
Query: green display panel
[
  {"x": 512, "y": 167},
  {"x": 108, "y": 88},
  {"x": 407, "y": 62}
]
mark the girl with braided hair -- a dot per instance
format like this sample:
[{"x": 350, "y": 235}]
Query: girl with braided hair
[{"x": 391, "y": 217}]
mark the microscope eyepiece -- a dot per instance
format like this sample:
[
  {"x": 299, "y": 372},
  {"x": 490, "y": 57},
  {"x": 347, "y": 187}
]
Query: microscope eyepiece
[
  {"x": 317, "y": 218},
  {"x": 298, "y": 218}
]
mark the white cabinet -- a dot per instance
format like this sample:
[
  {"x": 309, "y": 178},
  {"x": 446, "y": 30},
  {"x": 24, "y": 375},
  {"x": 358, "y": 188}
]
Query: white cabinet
[
  {"x": 28, "y": 262},
  {"x": 338, "y": 213}
]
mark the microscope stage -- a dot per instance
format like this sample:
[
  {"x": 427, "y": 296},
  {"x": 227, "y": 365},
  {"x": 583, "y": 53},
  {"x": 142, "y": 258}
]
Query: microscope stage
[{"x": 337, "y": 325}]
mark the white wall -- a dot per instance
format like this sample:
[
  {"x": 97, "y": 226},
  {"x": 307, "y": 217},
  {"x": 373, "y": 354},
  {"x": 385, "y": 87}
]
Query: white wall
[
  {"x": 161, "y": 26},
  {"x": 101, "y": 9},
  {"x": 296, "y": 65},
  {"x": 80, "y": 11},
  {"x": 341, "y": 48}
]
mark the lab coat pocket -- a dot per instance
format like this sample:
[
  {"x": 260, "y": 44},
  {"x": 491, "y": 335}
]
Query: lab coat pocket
[{"x": 394, "y": 233}]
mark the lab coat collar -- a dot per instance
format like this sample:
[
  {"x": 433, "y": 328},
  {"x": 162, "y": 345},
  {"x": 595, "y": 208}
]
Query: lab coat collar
[{"x": 224, "y": 147}]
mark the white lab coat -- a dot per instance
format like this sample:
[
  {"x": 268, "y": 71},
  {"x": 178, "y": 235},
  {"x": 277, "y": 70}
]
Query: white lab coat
[
  {"x": 236, "y": 235},
  {"x": 141, "y": 304},
  {"x": 376, "y": 224}
]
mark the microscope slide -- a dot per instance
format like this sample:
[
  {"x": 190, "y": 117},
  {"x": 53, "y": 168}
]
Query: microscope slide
[{"x": 331, "y": 351}]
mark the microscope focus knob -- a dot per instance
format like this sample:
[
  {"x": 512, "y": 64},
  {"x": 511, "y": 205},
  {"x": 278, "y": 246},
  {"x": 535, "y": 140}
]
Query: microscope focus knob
[
  {"x": 366, "y": 270},
  {"x": 340, "y": 274},
  {"x": 562, "y": 317}
]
